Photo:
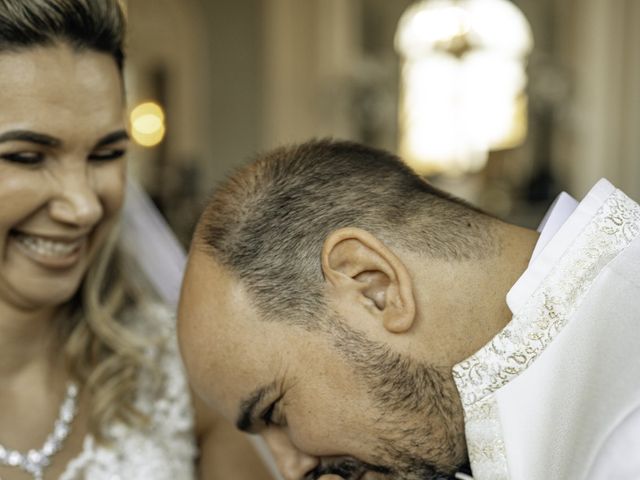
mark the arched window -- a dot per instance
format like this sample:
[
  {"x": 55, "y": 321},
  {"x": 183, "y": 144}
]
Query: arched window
[{"x": 463, "y": 82}]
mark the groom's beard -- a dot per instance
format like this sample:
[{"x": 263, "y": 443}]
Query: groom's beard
[
  {"x": 418, "y": 417},
  {"x": 351, "y": 469},
  {"x": 346, "y": 468}
]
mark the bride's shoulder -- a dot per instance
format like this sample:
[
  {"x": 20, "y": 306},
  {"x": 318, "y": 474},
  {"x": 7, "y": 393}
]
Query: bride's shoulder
[
  {"x": 164, "y": 448},
  {"x": 150, "y": 316}
]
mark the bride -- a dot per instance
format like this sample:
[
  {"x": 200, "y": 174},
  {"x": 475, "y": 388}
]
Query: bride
[{"x": 90, "y": 381}]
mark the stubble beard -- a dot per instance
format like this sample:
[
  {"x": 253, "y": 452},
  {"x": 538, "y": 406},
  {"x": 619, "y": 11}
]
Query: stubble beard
[{"x": 418, "y": 417}]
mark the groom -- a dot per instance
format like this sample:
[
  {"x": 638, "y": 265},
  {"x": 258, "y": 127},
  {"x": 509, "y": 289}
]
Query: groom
[{"x": 370, "y": 326}]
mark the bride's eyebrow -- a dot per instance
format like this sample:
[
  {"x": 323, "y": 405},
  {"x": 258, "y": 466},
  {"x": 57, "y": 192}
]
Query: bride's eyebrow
[
  {"x": 112, "y": 137},
  {"x": 43, "y": 139},
  {"x": 30, "y": 136},
  {"x": 246, "y": 418}
]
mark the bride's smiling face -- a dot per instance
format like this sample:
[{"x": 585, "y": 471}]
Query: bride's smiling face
[{"x": 62, "y": 146}]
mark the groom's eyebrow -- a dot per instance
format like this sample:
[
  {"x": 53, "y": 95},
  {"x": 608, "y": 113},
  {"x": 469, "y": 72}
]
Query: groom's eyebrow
[{"x": 246, "y": 418}]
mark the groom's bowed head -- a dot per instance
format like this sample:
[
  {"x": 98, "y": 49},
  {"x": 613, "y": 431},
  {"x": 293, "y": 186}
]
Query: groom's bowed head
[{"x": 328, "y": 293}]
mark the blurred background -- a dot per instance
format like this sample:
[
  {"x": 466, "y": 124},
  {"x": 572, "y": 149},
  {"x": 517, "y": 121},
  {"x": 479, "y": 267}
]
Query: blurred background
[{"x": 504, "y": 103}]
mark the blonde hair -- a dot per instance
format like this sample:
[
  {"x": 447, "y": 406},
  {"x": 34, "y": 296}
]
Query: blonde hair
[{"x": 104, "y": 354}]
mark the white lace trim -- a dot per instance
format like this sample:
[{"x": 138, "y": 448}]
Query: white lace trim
[
  {"x": 484, "y": 440},
  {"x": 166, "y": 449},
  {"x": 520, "y": 343}
]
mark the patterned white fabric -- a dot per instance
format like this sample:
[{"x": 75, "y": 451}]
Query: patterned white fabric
[
  {"x": 164, "y": 450},
  {"x": 541, "y": 398}
]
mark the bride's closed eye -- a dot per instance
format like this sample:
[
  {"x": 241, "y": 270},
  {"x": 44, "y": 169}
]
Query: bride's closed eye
[
  {"x": 25, "y": 158},
  {"x": 106, "y": 155}
]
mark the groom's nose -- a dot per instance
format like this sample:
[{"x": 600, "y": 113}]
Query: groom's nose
[{"x": 293, "y": 463}]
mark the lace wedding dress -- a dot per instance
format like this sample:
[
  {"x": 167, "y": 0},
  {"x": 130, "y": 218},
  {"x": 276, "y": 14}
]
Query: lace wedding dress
[{"x": 165, "y": 450}]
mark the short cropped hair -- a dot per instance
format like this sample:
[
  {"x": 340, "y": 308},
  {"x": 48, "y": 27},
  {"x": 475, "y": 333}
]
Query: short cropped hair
[
  {"x": 97, "y": 25},
  {"x": 268, "y": 221}
]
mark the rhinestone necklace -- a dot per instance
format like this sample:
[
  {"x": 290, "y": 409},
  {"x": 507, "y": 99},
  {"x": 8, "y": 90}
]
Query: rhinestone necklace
[{"x": 35, "y": 461}]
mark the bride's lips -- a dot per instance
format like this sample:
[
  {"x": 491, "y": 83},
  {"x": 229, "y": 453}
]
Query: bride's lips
[{"x": 50, "y": 251}]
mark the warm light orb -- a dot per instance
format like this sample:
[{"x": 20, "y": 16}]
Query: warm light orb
[
  {"x": 147, "y": 124},
  {"x": 463, "y": 82}
]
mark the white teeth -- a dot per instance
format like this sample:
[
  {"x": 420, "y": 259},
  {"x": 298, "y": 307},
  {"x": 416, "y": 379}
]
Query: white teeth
[{"x": 47, "y": 247}]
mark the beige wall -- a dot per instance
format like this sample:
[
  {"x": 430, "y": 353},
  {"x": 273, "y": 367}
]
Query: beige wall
[
  {"x": 211, "y": 52},
  {"x": 310, "y": 48},
  {"x": 605, "y": 113},
  {"x": 166, "y": 34},
  {"x": 247, "y": 75}
]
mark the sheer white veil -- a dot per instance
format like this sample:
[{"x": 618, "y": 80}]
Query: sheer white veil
[{"x": 147, "y": 238}]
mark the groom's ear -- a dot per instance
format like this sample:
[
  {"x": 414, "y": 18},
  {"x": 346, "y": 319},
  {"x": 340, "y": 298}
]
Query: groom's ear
[{"x": 361, "y": 271}]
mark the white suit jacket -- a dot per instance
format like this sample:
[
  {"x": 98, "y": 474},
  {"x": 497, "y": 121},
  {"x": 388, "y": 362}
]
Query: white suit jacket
[{"x": 556, "y": 394}]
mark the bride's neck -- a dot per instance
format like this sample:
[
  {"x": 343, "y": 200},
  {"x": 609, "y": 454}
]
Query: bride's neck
[{"x": 28, "y": 343}]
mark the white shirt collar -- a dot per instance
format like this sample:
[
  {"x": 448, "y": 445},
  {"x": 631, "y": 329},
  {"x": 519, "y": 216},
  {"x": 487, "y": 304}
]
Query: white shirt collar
[
  {"x": 564, "y": 220},
  {"x": 561, "y": 209}
]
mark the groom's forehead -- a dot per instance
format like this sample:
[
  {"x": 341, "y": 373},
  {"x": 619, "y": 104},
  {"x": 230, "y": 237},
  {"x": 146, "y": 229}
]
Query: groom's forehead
[
  {"x": 216, "y": 294},
  {"x": 212, "y": 290},
  {"x": 229, "y": 351}
]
